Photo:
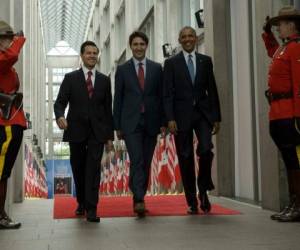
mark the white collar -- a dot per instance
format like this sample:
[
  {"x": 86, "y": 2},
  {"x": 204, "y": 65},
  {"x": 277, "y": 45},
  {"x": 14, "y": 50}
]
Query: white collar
[
  {"x": 186, "y": 54},
  {"x": 86, "y": 70},
  {"x": 136, "y": 62}
]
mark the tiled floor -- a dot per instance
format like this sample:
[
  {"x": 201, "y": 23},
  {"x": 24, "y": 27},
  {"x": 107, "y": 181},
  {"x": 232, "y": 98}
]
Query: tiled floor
[{"x": 251, "y": 230}]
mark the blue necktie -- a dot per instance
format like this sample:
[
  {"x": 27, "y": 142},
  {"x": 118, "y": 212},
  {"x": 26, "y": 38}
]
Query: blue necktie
[{"x": 191, "y": 68}]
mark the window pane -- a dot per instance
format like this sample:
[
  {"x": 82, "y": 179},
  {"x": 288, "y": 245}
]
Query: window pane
[{"x": 61, "y": 149}]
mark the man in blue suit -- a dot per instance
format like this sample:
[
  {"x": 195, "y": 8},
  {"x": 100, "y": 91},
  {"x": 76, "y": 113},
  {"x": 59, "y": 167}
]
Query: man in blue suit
[
  {"x": 138, "y": 114},
  {"x": 191, "y": 105}
]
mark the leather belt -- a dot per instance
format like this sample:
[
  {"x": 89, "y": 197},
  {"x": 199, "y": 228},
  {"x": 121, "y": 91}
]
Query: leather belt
[{"x": 277, "y": 96}]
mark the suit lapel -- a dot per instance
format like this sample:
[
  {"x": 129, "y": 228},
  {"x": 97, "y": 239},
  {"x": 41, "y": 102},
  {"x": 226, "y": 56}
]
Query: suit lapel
[
  {"x": 198, "y": 67},
  {"x": 97, "y": 81},
  {"x": 82, "y": 81},
  {"x": 148, "y": 75},
  {"x": 185, "y": 68}
]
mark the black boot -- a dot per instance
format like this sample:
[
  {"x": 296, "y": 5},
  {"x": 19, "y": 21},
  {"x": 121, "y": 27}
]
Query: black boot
[
  {"x": 292, "y": 201},
  {"x": 294, "y": 213},
  {"x": 286, "y": 210}
]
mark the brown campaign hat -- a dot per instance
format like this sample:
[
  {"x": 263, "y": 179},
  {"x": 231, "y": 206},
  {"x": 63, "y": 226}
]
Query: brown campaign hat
[
  {"x": 5, "y": 29},
  {"x": 285, "y": 13}
]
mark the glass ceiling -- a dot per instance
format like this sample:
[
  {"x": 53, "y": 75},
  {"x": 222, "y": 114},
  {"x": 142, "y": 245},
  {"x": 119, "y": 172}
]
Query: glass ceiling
[{"x": 65, "y": 20}]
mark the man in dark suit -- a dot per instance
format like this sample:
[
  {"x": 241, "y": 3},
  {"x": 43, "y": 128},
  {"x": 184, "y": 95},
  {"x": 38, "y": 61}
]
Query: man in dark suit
[
  {"x": 138, "y": 115},
  {"x": 192, "y": 105},
  {"x": 88, "y": 126}
]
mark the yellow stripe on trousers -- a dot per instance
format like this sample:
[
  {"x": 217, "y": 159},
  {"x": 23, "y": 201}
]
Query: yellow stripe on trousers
[
  {"x": 4, "y": 148},
  {"x": 298, "y": 152}
]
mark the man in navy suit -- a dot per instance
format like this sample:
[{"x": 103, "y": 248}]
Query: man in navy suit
[
  {"x": 191, "y": 105},
  {"x": 138, "y": 114},
  {"x": 88, "y": 126}
]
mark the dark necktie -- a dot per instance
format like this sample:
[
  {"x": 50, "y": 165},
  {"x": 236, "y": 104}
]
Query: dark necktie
[
  {"x": 89, "y": 84},
  {"x": 141, "y": 76},
  {"x": 191, "y": 67}
]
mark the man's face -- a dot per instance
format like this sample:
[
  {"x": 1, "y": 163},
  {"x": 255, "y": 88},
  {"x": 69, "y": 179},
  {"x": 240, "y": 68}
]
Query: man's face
[
  {"x": 90, "y": 56},
  {"x": 138, "y": 47},
  {"x": 187, "y": 39},
  {"x": 5, "y": 43}
]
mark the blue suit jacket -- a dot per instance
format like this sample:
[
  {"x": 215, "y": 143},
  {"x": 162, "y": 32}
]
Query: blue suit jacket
[
  {"x": 129, "y": 98},
  {"x": 181, "y": 95}
]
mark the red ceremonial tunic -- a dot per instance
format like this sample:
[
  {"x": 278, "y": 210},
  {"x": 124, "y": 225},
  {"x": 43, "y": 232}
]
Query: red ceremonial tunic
[
  {"x": 284, "y": 76},
  {"x": 9, "y": 82}
]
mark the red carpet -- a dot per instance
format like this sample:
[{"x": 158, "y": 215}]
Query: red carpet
[{"x": 121, "y": 206}]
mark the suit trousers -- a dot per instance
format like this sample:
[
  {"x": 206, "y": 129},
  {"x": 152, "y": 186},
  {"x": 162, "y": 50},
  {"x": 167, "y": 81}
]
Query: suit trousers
[
  {"x": 140, "y": 146},
  {"x": 185, "y": 152},
  {"x": 85, "y": 158}
]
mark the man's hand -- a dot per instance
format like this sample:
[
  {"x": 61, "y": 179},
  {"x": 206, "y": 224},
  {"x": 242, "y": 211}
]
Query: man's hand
[
  {"x": 267, "y": 26},
  {"x": 163, "y": 131},
  {"x": 110, "y": 146},
  {"x": 216, "y": 128},
  {"x": 119, "y": 134},
  {"x": 62, "y": 123},
  {"x": 172, "y": 127}
]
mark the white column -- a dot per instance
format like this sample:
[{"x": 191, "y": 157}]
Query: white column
[{"x": 241, "y": 58}]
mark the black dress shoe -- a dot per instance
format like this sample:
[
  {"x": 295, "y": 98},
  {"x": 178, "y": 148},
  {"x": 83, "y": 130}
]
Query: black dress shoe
[
  {"x": 192, "y": 210},
  {"x": 80, "y": 210},
  {"x": 139, "y": 209},
  {"x": 204, "y": 202},
  {"x": 8, "y": 223},
  {"x": 93, "y": 219},
  {"x": 91, "y": 216}
]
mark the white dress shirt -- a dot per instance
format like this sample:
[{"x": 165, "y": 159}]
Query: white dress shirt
[
  {"x": 86, "y": 70},
  {"x": 136, "y": 65},
  {"x": 186, "y": 57}
]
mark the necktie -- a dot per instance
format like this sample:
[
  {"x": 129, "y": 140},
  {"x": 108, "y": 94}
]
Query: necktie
[
  {"x": 89, "y": 84},
  {"x": 141, "y": 76},
  {"x": 191, "y": 68}
]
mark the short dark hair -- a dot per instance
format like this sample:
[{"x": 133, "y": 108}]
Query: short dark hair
[
  {"x": 139, "y": 34},
  {"x": 187, "y": 28},
  {"x": 85, "y": 44}
]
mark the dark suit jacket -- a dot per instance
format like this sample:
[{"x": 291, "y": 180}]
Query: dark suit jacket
[
  {"x": 85, "y": 114},
  {"x": 180, "y": 95},
  {"x": 129, "y": 97}
]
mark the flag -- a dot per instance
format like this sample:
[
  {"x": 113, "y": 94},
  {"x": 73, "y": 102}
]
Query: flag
[
  {"x": 164, "y": 175},
  {"x": 173, "y": 158},
  {"x": 154, "y": 170}
]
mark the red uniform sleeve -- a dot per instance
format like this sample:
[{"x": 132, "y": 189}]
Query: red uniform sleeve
[
  {"x": 270, "y": 43},
  {"x": 294, "y": 52},
  {"x": 9, "y": 57}
]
